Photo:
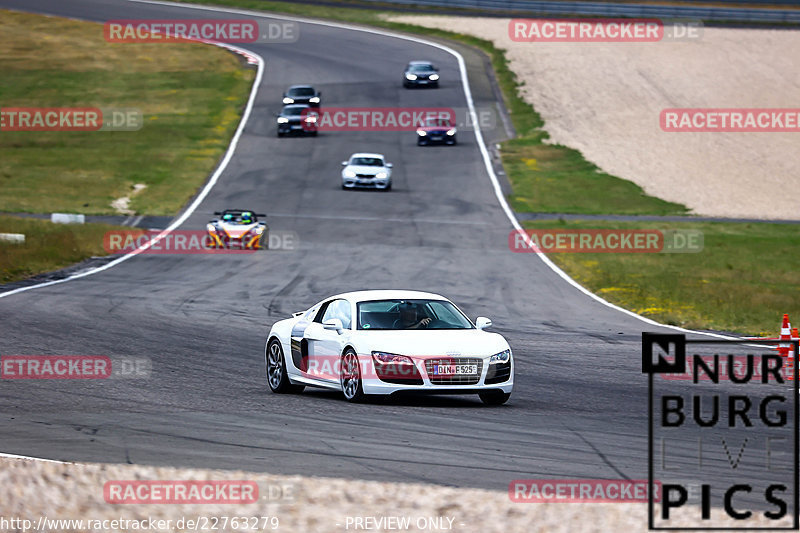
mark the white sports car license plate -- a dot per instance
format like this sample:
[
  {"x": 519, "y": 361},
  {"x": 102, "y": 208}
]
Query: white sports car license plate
[{"x": 450, "y": 370}]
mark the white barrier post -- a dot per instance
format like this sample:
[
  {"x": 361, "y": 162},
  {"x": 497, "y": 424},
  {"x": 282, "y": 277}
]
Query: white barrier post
[{"x": 67, "y": 218}]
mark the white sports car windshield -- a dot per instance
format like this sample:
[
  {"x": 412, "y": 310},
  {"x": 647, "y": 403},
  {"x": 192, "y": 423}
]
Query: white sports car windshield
[{"x": 410, "y": 314}]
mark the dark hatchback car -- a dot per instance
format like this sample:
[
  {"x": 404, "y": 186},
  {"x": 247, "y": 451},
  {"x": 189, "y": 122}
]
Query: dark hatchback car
[
  {"x": 436, "y": 130},
  {"x": 421, "y": 74},
  {"x": 292, "y": 120},
  {"x": 302, "y": 94}
]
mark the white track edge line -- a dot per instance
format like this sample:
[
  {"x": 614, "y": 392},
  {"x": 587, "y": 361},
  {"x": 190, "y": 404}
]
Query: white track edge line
[
  {"x": 478, "y": 137},
  {"x": 27, "y": 458},
  {"x": 200, "y": 197}
]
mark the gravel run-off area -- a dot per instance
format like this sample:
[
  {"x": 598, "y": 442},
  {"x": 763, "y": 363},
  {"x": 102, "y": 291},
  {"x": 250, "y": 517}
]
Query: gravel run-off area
[
  {"x": 605, "y": 100},
  {"x": 49, "y": 491}
]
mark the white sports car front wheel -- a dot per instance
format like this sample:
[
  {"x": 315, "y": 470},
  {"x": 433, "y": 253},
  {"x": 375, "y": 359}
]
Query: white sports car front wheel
[{"x": 351, "y": 377}]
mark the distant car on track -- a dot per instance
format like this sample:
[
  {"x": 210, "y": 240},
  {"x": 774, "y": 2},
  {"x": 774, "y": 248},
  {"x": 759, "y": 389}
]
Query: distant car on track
[
  {"x": 367, "y": 170},
  {"x": 388, "y": 341},
  {"x": 296, "y": 119},
  {"x": 238, "y": 229},
  {"x": 302, "y": 94},
  {"x": 421, "y": 74},
  {"x": 436, "y": 130}
]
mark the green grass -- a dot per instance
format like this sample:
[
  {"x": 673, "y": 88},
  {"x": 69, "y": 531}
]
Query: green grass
[
  {"x": 745, "y": 278},
  {"x": 191, "y": 97},
  {"x": 47, "y": 246},
  {"x": 546, "y": 178},
  {"x": 556, "y": 179}
]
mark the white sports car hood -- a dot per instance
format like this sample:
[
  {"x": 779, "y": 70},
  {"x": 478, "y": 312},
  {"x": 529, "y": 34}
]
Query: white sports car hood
[{"x": 441, "y": 342}]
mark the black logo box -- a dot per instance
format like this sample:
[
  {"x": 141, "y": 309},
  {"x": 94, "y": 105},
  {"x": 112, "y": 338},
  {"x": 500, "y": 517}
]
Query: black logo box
[{"x": 678, "y": 366}]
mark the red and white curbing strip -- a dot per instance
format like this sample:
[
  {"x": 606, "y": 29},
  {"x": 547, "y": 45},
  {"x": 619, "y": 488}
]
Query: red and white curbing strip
[{"x": 251, "y": 59}]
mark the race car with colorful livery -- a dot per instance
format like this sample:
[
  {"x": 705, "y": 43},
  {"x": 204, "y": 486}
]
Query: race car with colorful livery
[{"x": 238, "y": 229}]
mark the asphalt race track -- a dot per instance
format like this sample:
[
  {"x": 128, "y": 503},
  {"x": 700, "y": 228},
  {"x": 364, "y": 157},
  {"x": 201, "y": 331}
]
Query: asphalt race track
[{"x": 579, "y": 407}]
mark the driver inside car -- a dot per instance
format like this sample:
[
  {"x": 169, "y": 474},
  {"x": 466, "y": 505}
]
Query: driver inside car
[{"x": 409, "y": 318}]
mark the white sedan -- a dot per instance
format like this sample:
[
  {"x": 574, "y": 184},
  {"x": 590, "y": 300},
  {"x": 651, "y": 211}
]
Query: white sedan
[
  {"x": 387, "y": 341},
  {"x": 367, "y": 170}
]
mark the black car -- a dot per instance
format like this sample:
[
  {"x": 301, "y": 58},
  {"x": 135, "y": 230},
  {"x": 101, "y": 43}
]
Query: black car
[
  {"x": 297, "y": 119},
  {"x": 436, "y": 130},
  {"x": 421, "y": 74},
  {"x": 302, "y": 94}
]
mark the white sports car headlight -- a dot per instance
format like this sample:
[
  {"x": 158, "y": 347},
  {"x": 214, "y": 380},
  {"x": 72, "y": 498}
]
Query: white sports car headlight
[
  {"x": 211, "y": 228},
  {"x": 422, "y": 133},
  {"x": 288, "y": 100},
  {"x": 282, "y": 120},
  {"x": 311, "y": 119},
  {"x": 349, "y": 173},
  {"x": 451, "y": 132},
  {"x": 502, "y": 357},
  {"x": 433, "y": 77},
  {"x": 411, "y": 77},
  {"x": 385, "y": 358},
  {"x": 381, "y": 175},
  {"x": 314, "y": 99}
]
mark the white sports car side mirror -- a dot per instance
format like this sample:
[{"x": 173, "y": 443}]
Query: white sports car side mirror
[
  {"x": 482, "y": 322},
  {"x": 333, "y": 324},
  {"x": 344, "y": 163}
]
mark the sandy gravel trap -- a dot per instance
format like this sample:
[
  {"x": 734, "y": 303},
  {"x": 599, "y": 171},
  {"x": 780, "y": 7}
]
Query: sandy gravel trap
[
  {"x": 606, "y": 99},
  {"x": 46, "y": 496}
]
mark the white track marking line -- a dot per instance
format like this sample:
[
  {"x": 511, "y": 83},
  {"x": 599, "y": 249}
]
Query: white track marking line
[
  {"x": 377, "y": 219},
  {"x": 200, "y": 197},
  {"x": 12, "y": 456},
  {"x": 478, "y": 137}
]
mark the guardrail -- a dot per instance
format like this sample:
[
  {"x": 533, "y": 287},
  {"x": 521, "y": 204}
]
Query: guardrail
[{"x": 734, "y": 14}]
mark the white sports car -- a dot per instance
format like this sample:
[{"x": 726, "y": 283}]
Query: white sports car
[
  {"x": 367, "y": 170},
  {"x": 382, "y": 342}
]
